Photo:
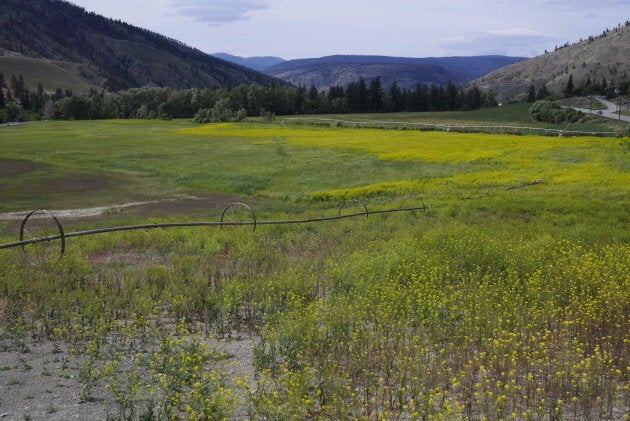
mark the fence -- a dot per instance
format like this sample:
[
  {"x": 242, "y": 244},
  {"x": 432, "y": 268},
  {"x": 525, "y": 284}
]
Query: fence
[{"x": 443, "y": 127}]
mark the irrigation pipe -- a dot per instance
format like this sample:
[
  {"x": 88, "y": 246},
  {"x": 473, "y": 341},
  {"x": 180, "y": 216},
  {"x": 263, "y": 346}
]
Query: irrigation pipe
[
  {"x": 62, "y": 236},
  {"x": 254, "y": 223}
]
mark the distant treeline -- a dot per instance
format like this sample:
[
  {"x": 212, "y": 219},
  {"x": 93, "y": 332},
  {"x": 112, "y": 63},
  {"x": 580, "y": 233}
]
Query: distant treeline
[
  {"x": 18, "y": 103},
  {"x": 586, "y": 88},
  {"x": 591, "y": 38}
]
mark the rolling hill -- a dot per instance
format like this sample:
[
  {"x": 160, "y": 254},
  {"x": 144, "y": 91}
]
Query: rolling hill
[
  {"x": 605, "y": 56},
  {"x": 107, "y": 53},
  {"x": 51, "y": 74},
  {"x": 329, "y": 71}
]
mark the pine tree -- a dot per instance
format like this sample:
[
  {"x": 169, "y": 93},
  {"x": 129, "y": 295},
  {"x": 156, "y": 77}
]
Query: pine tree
[
  {"x": 312, "y": 100},
  {"x": 531, "y": 96},
  {"x": 474, "y": 98},
  {"x": 451, "y": 96},
  {"x": 435, "y": 97},
  {"x": 569, "y": 89},
  {"x": 543, "y": 93},
  {"x": 2, "y": 100},
  {"x": 38, "y": 98},
  {"x": 376, "y": 95},
  {"x": 352, "y": 97},
  {"x": 395, "y": 97},
  {"x": 335, "y": 92},
  {"x": 300, "y": 99},
  {"x": 362, "y": 95}
]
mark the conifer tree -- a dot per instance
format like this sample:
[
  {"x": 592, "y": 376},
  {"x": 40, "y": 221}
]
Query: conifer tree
[
  {"x": 395, "y": 97},
  {"x": 376, "y": 95},
  {"x": 569, "y": 88},
  {"x": 362, "y": 95},
  {"x": 451, "y": 96},
  {"x": 531, "y": 96},
  {"x": 542, "y": 93}
]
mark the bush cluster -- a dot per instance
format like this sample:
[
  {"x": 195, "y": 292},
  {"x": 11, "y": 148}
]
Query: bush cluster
[{"x": 548, "y": 112}]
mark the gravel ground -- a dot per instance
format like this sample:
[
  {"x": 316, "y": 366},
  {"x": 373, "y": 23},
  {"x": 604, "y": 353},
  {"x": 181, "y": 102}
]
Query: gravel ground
[{"x": 39, "y": 379}]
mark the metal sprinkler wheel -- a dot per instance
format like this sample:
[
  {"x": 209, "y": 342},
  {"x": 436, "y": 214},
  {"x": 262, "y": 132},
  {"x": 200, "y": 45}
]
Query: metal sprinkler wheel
[
  {"x": 236, "y": 214},
  {"x": 45, "y": 236},
  {"x": 354, "y": 206}
]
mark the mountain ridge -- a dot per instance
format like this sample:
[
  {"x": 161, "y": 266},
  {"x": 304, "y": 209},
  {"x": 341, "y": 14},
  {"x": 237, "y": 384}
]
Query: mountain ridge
[
  {"x": 606, "y": 56},
  {"x": 124, "y": 55},
  {"x": 407, "y": 72},
  {"x": 259, "y": 63}
]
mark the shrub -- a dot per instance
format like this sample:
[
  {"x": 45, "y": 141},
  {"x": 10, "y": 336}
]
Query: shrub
[{"x": 547, "y": 111}]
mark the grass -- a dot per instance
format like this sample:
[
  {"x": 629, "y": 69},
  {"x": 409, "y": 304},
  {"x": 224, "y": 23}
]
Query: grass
[
  {"x": 510, "y": 305},
  {"x": 506, "y": 115},
  {"x": 582, "y": 102},
  {"x": 51, "y": 74},
  {"x": 108, "y": 162}
]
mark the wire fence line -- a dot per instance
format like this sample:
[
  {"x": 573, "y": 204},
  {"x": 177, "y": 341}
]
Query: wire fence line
[{"x": 492, "y": 129}]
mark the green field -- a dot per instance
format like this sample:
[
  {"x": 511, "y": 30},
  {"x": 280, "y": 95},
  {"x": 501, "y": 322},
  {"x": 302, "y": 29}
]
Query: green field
[
  {"x": 493, "y": 303},
  {"x": 484, "y": 119}
]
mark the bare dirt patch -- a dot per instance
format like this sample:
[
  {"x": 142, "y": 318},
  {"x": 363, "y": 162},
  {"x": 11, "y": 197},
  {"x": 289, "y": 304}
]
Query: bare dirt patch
[
  {"x": 78, "y": 183},
  {"x": 13, "y": 168},
  {"x": 40, "y": 380},
  {"x": 188, "y": 205}
]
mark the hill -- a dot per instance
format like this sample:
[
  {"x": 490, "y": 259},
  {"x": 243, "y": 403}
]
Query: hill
[
  {"x": 256, "y": 63},
  {"x": 51, "y": 74},
  {"x": 329, "y": 71},
  {"x": 605, "y": 56},
  {"x": 118, "y": 55}
]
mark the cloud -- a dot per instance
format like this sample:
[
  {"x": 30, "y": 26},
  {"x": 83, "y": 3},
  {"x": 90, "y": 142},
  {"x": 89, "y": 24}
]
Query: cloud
[
  {"x": 587, "y": 4},
  {"x": 216, "y": 12},
  {"x": 512, "y": 41}
]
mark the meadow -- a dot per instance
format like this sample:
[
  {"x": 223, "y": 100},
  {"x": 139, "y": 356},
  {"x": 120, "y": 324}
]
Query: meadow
[
  {"x": 507, "y": 298},
  {"x": 508, "y": 115}
]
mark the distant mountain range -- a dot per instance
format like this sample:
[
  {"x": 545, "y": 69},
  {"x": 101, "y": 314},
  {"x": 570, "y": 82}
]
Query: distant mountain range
[
  {"x": 58, "y": 44},
  {"x": 256, "y": 63},
  {"x": 407, "y": 72},
  {"x": 605, "y": 56},
  {"x": 91, "y": 50}
]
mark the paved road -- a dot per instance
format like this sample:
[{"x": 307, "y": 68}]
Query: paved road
[{"x": 610, "y": 112}]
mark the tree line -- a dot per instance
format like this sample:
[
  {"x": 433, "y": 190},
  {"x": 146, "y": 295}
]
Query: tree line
[
  {"x": 18, "y": 102},
  {"x": 587, "y": 87}
]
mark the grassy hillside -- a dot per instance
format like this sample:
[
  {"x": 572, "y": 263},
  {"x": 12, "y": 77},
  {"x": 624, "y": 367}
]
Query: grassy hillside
[
  {"x": 125, "y": 56},
  {"x": 51, "y": 74},
  {"x": 595, "y": 58}
]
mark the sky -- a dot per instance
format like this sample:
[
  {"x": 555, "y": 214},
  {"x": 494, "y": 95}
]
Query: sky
[{"x": 293, "y": 29}]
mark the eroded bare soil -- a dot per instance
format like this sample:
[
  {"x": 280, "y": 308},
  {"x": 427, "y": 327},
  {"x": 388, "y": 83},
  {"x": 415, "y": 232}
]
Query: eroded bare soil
[{"x": 40, "y": 379}]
